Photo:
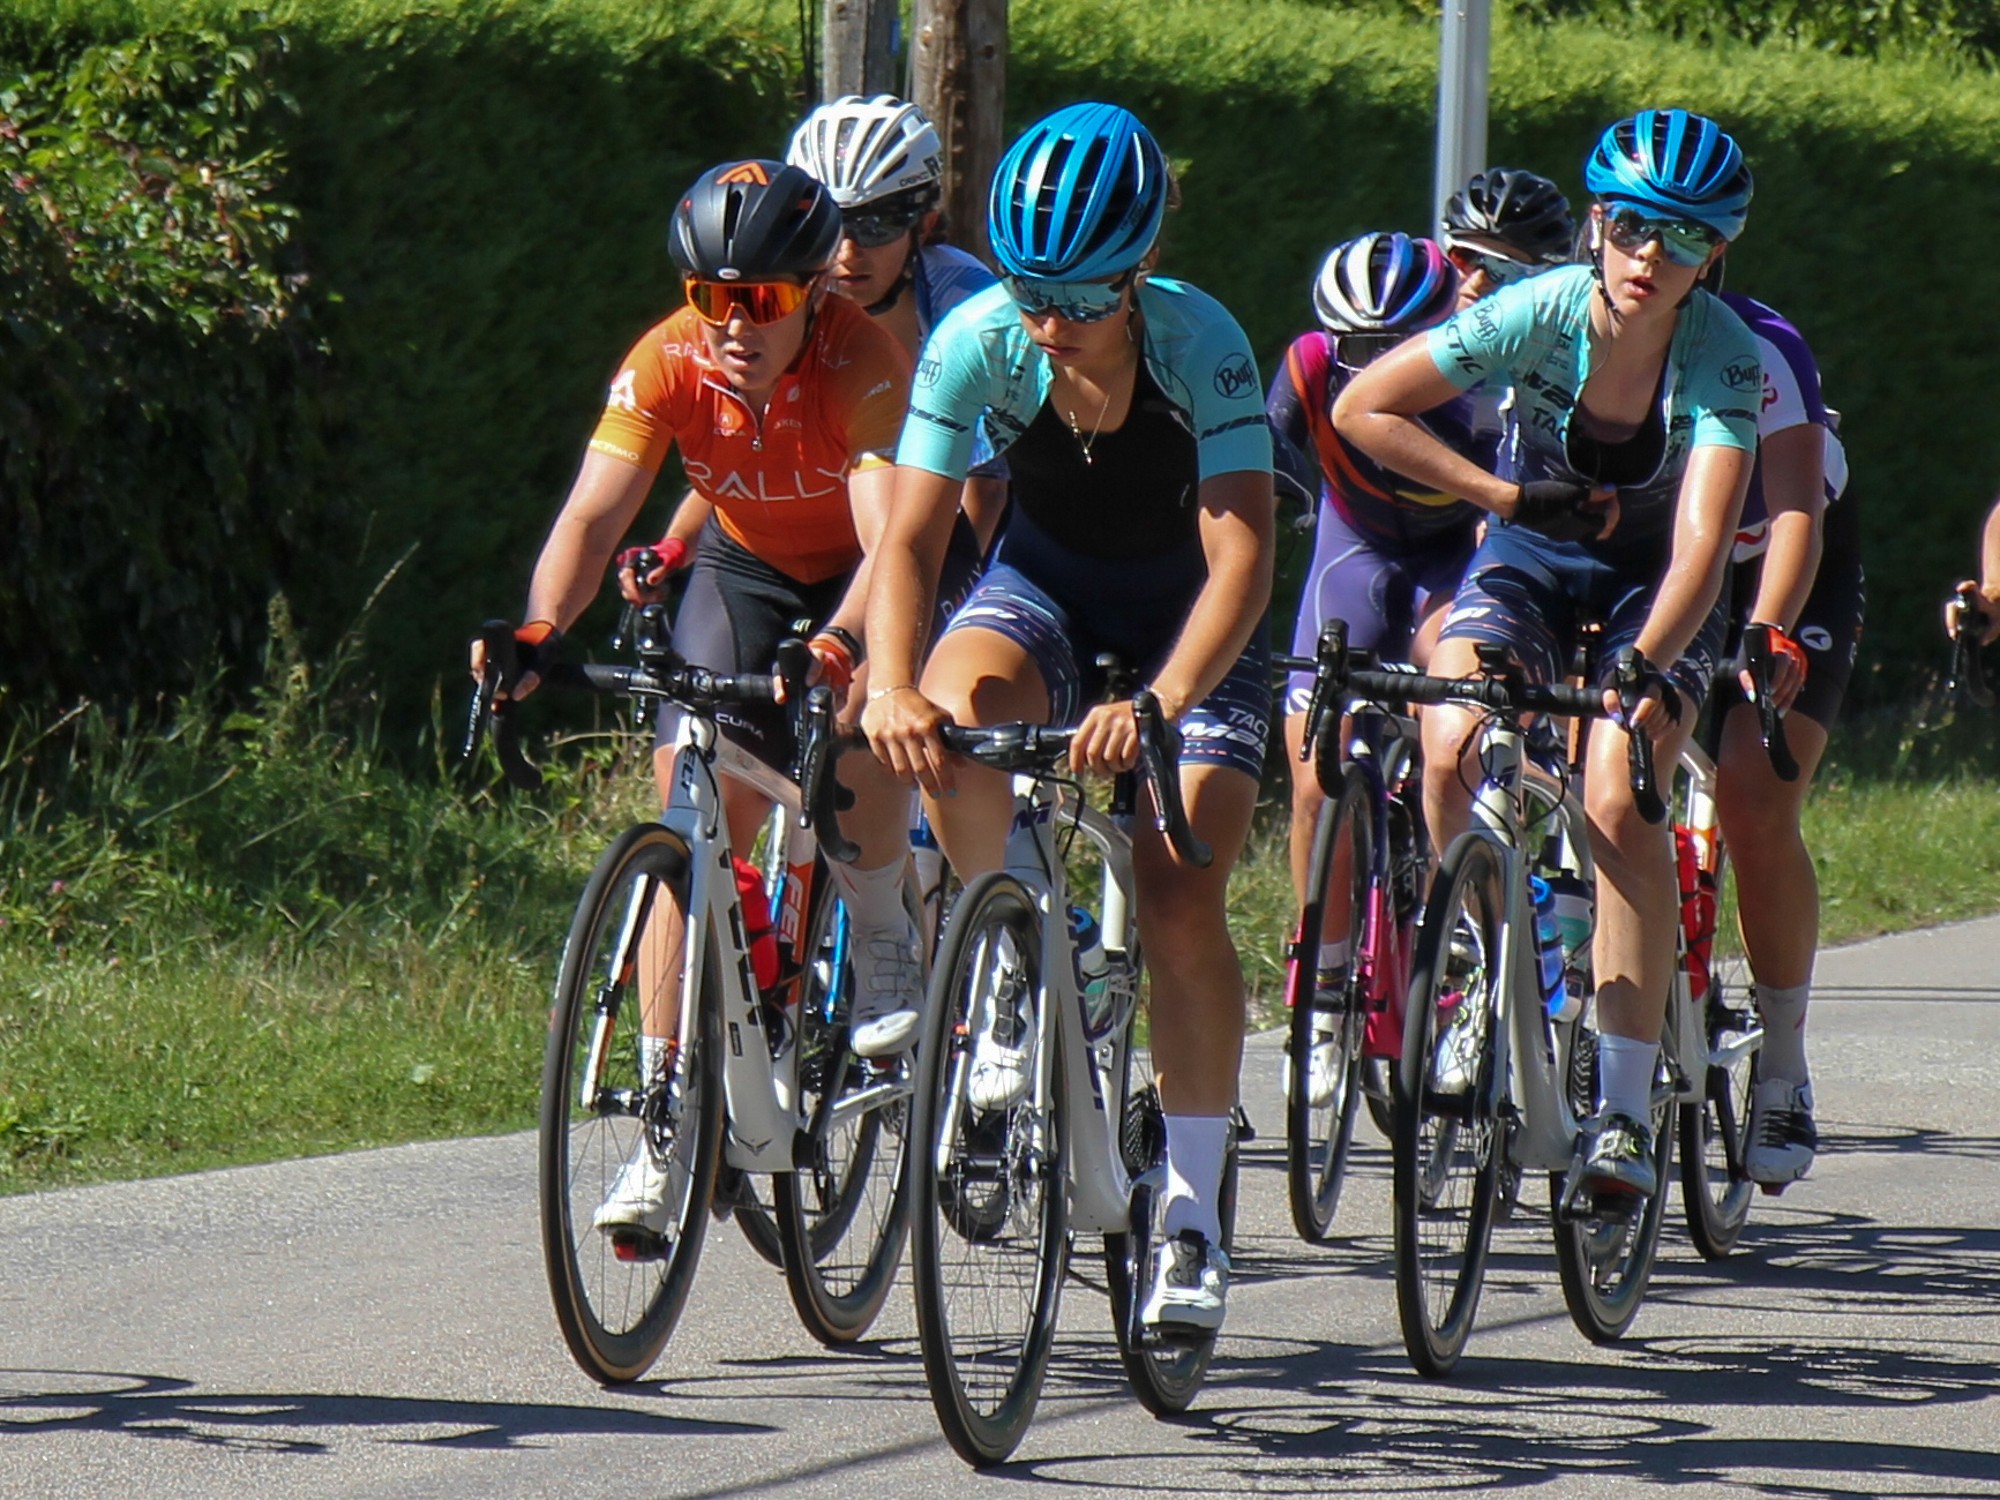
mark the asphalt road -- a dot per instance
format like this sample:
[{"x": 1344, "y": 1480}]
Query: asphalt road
[{"x": 376, "y": 1325}]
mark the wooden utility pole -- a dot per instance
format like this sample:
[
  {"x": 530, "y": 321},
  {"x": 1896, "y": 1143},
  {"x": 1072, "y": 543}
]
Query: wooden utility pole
[
  {"x": 858, "y": 48},
  {"x": 960, "y": 60}
]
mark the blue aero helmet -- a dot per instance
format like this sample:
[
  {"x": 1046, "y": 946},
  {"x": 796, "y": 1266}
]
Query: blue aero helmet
[
  {"x": 1079, "y": 196},
  {"x": 1674, "y": 164}
]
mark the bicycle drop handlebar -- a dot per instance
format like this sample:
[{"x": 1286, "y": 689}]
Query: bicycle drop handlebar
[
  {"x": 663, "y": 676},
  {"x": 1968, "y": 668}
]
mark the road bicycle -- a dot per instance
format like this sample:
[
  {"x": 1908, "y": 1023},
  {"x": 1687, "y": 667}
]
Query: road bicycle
[
  {"x": 998, "y": 1188},
  {"x": 754, "y": 1080},
  {"x": 1366, "y": 865}
]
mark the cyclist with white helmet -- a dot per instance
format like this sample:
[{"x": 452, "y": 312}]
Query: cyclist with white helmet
[
  {"x": 882, "y": 162},
  {"x": 1388, "y": 551},
  {"x": 1628, "y": 450},
  {"x": 1129, "y": 409}
]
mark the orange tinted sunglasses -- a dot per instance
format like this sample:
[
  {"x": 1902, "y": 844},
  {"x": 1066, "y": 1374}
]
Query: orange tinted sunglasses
[{"x": 757, "y": 301}]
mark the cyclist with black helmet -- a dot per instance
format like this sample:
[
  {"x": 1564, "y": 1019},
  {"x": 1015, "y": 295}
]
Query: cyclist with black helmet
[
  {"x": 1798, "y": 573},
  {"x": 1128, "y": 407},
  {"x": 1628, "y": 449},
  {"x": 1505, "y": 224},
  {"x": 881, "y": 160},
  {"x": 773, "y": 392},
  {"x": 1388, "y": 551}
]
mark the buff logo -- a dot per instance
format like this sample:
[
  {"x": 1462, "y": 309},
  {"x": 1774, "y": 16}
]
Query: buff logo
[
  {"x": 1743, "y": 375},
  {"x": 1484, "y": 323},
  {"x": 928, "y": 370},
  {"x": 1234, "y": 376}
]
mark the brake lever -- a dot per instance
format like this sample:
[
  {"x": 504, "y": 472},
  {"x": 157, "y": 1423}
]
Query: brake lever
[
  {"x": 1968, "y": 667},
  {"x": 493, "y": 704},
  {"x": 628, "y": 617},
  {"x": 1770, "y": 722},
  {"x": 1628, "y": 681},
  {"x": 1156, "y": 756}
]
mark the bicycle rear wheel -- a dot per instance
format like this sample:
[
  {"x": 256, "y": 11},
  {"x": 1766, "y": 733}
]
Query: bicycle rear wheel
[
  {"x": 1323, "y": 1049},
  {"x": 618, "y": 1296},
  {"x": 1166, "y": 1376},
  {"x": 988, "y": 1206},
  {"x": 841, "y": 1216},
  {"x": 1716, "y": 1190},
  {"x": 1449, "y": 1142},
  {"x": 1605, "y": 1260}
]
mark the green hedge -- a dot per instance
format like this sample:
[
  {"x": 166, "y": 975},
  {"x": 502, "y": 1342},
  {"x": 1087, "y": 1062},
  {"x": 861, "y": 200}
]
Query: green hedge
[{"x": 483, "y": 187}]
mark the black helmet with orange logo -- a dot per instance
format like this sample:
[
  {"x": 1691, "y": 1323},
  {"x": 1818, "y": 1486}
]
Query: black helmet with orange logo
[{"x": 754, "y": 221}]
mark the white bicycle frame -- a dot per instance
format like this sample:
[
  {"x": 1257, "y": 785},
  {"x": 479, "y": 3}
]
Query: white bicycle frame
[
  {"x": 760, "y": 1094},
  {"x": 1099, "y": 1187}
]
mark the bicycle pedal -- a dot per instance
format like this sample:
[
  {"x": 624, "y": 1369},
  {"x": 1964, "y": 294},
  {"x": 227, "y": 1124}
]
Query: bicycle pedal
[
  {"x": 631, "y": 1246},
  {"x": 1175, "y": 1336},
  {"x": 1772, "y": 1189}
]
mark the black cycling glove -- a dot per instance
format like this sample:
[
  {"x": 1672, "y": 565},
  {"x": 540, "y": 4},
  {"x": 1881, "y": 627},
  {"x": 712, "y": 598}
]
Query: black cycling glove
[{"x": 1559, "y": 510}]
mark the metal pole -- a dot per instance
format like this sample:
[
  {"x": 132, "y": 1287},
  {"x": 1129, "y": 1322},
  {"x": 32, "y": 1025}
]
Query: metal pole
[
  {"x": 1464, "y": 61},
  {"x": 858, "y": 48}
]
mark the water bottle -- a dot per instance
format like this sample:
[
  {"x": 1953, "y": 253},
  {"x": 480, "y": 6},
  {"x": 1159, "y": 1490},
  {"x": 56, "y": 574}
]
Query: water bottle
[
  {"x": 1574, "y": 911},
  {"x": 1093, "y": 969},
  {"x": 1548, "y": 946}
]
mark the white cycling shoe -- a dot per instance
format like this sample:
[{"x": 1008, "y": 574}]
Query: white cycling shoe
[{"x": 888, "y": 967}]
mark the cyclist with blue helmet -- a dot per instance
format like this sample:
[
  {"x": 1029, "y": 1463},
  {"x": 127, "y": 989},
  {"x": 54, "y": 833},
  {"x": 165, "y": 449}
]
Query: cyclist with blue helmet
[
  {"x": 1128, "y": 407},
  {"x": 1620, "y": 482},
  {"x": 1388, "y": 552}
]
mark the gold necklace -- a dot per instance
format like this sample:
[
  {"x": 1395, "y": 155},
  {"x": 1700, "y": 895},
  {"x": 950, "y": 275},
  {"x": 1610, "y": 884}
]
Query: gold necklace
[{"x": 1076, "y": 428}]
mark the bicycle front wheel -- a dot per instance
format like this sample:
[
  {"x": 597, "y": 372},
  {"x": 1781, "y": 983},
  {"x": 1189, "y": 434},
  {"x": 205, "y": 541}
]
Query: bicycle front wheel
[
  {"x": 614, "y": 1136},
  {"x": 1448, "y": 1139},
  {"x": 841, "y": 1215},
  {"x": 1323, "y": 1049},
  {"x": 1716, "y": 1190},
  {"x": 988, "y": 1207},
  {"x": 1605, "y": 1259}
]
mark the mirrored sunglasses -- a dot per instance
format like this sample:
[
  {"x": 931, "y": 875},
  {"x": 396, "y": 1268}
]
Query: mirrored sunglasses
[
  {"x": 871, "y": 231},
  {"x": 717, "y": 302},
  {"x": 1684, "y": 243},
  {"x": 1072, "y": 301},
  {"x": 1356, "y": 351},
  {"x": 1498, "y": 269}
]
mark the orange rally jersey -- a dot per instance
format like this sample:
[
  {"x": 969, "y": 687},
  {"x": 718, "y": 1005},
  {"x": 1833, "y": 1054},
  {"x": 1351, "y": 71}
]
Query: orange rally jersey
[{"x": 779, "y": 482}]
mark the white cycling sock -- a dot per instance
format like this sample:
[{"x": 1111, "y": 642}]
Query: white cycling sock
[
  {"x": 1625, "y": 1067},
  {"x": 1333, "y": 956},
  {"x": 1197, "y": 1145},
  {"x": 654, "y": 1053},
  {"x": 1784, "y": 1015},
  {"x": 874, "y": 897}
]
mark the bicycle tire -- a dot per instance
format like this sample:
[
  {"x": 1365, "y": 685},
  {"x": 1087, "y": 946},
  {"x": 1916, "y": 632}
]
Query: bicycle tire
[
  {"x": 757, "y": 1217},
  {"x": 1605, "y": 1263},
  {"x": 1448, "y": 1141},
  {"x": 617, "y": 1314},
  {"x": 988, "y": 1206},
  {"x": 1166, "y": 1377},
  {"x": 841, "y": 1217},
  {"x": 1319, "y": 1134},
  {"x": 1716, "y": 1190}
]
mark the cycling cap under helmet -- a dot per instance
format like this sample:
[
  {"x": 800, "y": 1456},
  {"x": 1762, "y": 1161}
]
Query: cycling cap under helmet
[
  {"x": 1079, "y": 196},
  {"x": 1507, "y": 208},
  {"x": 1673, "y": 163},
  {"x": 868, "y": 150},
  {"x": 1384, "y": 283},
  {"x": 754, "y": 221}
]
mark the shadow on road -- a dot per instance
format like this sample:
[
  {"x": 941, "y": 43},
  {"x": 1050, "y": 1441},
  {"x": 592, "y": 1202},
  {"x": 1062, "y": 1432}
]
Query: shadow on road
[{"x": 160, "y": 1406}]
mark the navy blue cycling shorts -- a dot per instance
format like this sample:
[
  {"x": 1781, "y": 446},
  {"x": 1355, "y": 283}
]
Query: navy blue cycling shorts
[
  {"x": 1529, "y": 594},
  {"x": 1229, "y": 727}
]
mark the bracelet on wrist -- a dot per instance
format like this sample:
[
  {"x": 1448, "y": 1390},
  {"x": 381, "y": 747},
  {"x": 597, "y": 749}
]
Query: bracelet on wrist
[
  {"x": 846, "y": 639},
  {"x": 901, "y": 687}
]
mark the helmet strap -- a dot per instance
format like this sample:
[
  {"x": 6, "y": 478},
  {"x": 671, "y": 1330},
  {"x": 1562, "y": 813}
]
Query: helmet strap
[{"x": 904, "y": 279}]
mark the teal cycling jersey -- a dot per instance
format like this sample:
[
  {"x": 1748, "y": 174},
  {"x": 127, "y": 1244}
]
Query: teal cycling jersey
[
  {"x": 980, "y": 363},
  {"x": 1535, "y": 337}
]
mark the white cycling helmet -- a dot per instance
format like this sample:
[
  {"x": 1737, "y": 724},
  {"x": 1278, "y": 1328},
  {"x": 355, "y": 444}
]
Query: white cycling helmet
[{"x": 866, "y": 150}]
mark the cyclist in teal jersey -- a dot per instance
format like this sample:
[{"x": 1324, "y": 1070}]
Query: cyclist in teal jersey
[
  {"x": 1621, "y": 478},
  {"x": 1130, "y": 412}
]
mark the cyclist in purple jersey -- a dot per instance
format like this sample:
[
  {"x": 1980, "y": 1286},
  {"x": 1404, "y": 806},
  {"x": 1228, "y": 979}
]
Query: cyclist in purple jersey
[
  {"x": 1387, "y": 552},
  {"x": 1629, "y": 446},
  {"x": 1798, "y": 571}
]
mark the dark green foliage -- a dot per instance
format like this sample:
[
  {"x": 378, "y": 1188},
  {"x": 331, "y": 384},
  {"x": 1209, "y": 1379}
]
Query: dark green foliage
[
  {"x": 157, "y": 429},
  {"x": 1968, "y": 29}
]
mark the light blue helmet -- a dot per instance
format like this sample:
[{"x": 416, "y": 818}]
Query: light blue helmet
[
  {"x": 1674, "y": 163},
  {"x": 1079, "y": 196}
]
